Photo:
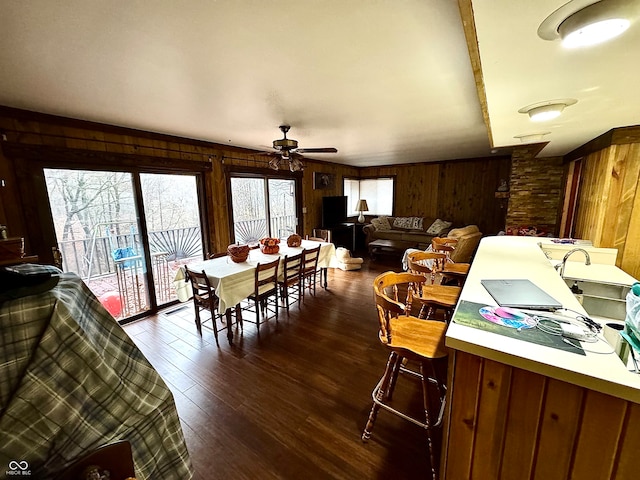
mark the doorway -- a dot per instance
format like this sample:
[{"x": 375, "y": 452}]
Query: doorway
[{"x": 125, "y": 233}]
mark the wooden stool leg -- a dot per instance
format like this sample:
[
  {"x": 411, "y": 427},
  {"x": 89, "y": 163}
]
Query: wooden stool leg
[
  {"x": 394, "y": 377},
  {"x": 428, "y": 372},
  {"x": 378, "y": 393}
]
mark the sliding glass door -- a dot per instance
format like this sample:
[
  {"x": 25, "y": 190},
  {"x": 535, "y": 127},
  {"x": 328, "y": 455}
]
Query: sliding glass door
[
  {"x": 263, "y": 207},
  {"x": 125, "y": 234}
]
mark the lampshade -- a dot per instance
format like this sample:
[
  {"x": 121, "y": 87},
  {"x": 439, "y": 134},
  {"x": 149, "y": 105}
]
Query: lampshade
[{"x": 362, "y": 206}]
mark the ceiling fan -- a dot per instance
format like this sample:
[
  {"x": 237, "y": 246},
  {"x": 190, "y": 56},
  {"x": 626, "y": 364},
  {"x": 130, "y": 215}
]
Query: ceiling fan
[{"x": 287, "y": 150}]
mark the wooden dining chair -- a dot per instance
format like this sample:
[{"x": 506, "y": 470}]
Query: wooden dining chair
[
  {"x": 264, "y": 298},
  {"x": 205, "y": 298},
  {"x": 408, "y": 340},
  {"x": 291, "y": 282},
  {"x": 320, "y": 235},
  {"x": 309, "y": 270}
]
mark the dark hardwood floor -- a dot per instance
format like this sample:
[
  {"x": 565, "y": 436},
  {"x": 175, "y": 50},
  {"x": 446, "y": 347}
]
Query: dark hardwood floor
[{"x": 292, "y": 402}]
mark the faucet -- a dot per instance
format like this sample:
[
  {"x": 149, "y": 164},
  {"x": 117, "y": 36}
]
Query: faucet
[{"x": 560, "y": 266}]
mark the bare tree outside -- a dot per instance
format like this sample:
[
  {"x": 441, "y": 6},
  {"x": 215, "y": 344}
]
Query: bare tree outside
[
  {"x": 249, "y": 196},
  {"x": 98, "y": 232}
]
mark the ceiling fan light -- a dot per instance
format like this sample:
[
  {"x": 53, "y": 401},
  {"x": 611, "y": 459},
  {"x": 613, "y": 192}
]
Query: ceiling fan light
[
  {"x": 274, "y": 163},
  {"x": 295, "y": 165}
]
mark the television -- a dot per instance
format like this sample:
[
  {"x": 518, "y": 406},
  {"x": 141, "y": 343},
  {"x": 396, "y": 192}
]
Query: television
[{"x": 334, "y": 211}]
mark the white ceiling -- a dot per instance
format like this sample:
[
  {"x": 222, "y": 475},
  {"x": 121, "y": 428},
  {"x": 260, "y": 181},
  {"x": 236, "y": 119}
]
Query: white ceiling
[{"x": 385, "y": 82}]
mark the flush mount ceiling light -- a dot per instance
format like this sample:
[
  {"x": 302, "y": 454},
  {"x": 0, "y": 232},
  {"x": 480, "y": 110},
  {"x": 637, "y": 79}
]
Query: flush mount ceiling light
[
  {"x": 531, "y": 137},
  {"x": 543, "y": 111},
  {"x": 581, "y": 23}
]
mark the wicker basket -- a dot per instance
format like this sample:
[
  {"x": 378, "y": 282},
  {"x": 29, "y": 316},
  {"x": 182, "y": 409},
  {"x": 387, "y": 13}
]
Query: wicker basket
[
  {"x": 294, "y": 240},
  {"x": 238, "y": 253}
]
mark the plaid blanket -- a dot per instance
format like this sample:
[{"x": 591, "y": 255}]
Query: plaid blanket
[{"x": 72, "y": 380}]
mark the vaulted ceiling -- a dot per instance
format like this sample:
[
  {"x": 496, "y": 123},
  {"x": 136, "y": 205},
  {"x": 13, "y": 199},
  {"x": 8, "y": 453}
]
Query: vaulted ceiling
[{"x": 384, "y": 82}]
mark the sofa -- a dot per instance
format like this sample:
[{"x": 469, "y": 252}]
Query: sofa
[
  {"x": 417, "y": 230},
  {"x": 468, "y": 237}
]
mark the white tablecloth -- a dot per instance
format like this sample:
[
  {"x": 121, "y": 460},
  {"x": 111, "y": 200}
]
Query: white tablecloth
[{"x": 235, "y": 281}]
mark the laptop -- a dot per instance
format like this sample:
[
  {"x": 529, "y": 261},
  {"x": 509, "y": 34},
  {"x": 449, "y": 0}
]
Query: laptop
[{"x": 520, "y": 293}]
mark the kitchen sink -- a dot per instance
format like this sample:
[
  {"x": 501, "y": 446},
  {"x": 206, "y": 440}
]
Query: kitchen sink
[{"x": 601, "y": 299}]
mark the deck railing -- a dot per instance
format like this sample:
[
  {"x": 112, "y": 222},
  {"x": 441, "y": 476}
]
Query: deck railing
[{"x": 93, "y": 257}]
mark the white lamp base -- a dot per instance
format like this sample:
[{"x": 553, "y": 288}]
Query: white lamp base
[{"x": 361, "y": 218}]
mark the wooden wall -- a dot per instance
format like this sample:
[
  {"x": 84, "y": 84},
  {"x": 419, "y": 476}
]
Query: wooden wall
[
  {"x": 461, "y": 191},
  {"x": 608, "y": 205}
]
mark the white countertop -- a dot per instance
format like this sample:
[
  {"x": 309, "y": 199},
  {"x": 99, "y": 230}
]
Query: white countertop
[{"x": 521, "y": 257}]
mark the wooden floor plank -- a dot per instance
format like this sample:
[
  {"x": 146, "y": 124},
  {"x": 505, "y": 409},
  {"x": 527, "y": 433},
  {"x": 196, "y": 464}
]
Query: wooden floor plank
[{"x": 291, "y": 402}]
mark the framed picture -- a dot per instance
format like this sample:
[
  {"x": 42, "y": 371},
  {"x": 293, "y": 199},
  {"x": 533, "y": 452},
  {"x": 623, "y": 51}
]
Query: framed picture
[{"x": 323, "y": 181}]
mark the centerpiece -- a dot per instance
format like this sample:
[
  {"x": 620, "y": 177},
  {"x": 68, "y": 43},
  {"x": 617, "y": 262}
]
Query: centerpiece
[
  {"x": 238, "y": 253},
  {"x": 294, "y": 240},
  {"x": 269, "y": 245}
]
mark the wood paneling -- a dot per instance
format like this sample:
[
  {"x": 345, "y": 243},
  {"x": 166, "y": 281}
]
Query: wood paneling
[
  {"x": 608, "y": 211},
  {"x": 517, "y": 424},
  {"x": 461, "y": 191}
]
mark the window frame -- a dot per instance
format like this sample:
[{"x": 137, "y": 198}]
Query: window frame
[{"x": 377, "y": 177}]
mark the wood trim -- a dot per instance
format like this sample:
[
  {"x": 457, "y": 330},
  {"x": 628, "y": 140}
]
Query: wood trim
[
  {"x": 59, "y": 123},
  {"x": 615, "y": 136},
  {"x": 471, "y": 36},
  {"x": 89, "y": 159}
]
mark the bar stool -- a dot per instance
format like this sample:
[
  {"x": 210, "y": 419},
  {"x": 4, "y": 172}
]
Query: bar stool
[
  {"x": 451, "y": 271},
  {"x": 428, "y": 264},
  {"x": 438, "y": 297},
  {"x": 408, "y": 339}
]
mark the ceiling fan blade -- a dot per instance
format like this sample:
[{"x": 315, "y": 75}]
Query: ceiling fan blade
[{"x": 317, "y": 150}]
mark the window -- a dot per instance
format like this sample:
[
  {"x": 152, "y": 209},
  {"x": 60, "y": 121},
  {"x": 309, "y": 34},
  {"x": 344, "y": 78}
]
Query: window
[
  {"x": 263, "y": 207},
  {"x": 378, "y": 192}
]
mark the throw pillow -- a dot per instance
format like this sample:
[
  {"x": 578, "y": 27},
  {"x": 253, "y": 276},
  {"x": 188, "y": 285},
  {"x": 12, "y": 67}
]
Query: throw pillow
[
  {"x": 416, "y": 223},
  {"x": 403, "y": 223},
  {"x": 384, "y": 223},
  {"x": 377, "y": 224},
  {"x": 438, "y": 227}
]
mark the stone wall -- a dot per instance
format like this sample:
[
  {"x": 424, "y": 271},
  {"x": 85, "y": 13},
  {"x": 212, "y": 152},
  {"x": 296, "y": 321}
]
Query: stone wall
[{"x": 535, "y": 190}]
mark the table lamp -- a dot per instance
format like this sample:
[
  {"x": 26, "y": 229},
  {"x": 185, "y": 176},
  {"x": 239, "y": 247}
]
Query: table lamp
[{"x": 362, "y": 207}]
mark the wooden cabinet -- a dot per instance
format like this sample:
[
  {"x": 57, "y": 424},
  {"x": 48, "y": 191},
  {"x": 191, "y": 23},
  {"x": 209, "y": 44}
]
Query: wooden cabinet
[{"x": 506, "y": 422}]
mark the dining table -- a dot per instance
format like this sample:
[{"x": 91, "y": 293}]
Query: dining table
[{"x": 234, "y": 282}]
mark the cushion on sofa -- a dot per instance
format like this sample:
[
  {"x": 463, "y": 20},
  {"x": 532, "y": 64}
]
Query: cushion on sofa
[
  {"x": 381, "y": 223},
  {"x": 407, "y": 223},
  {"x": 461, "y": 232},
  {"x": 438, "y": 227}
]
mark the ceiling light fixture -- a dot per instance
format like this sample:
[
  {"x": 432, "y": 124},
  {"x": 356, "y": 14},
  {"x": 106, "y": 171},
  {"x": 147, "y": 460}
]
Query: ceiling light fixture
[
  {"x": 544, "y": 111},
  {"x": 582, "y": 23},
  {"x": 531, "y": 137}
]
